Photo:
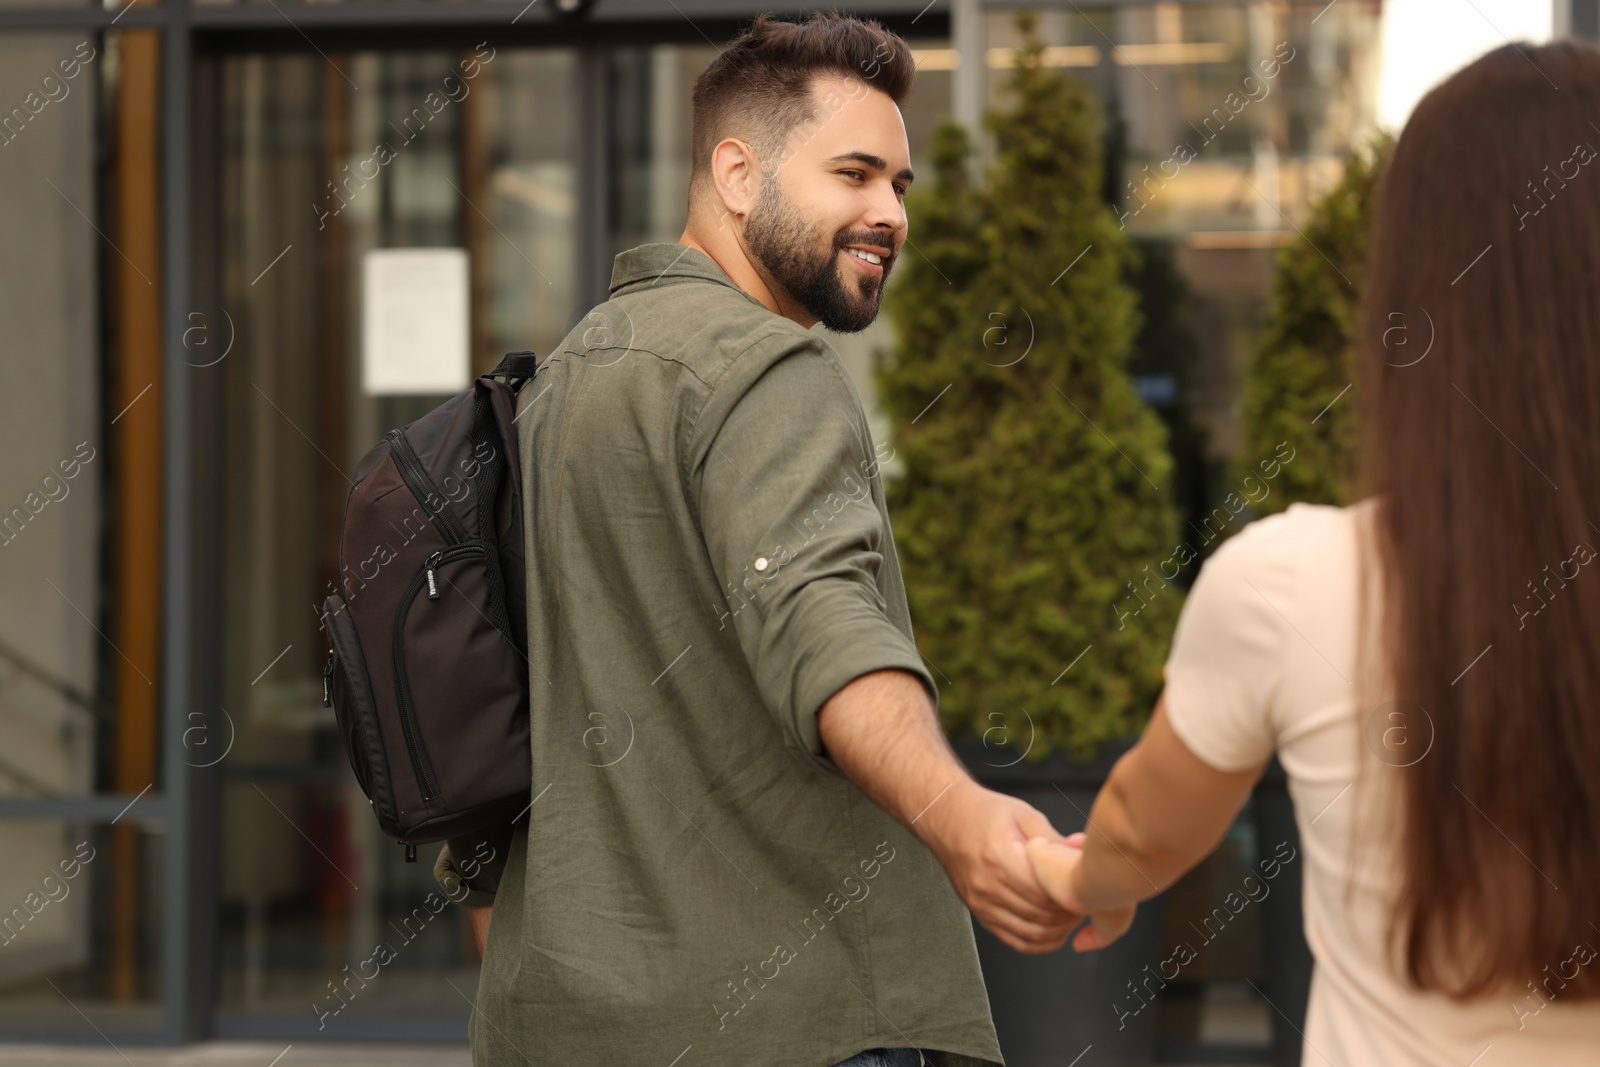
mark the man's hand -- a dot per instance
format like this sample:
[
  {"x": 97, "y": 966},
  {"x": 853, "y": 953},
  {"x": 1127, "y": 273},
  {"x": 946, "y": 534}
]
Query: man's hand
[
  {"x": 478, "y": 918},
  {"x": 1056, "y": 863},
  {"x": 981, "y": 837},
  {"x": 881, "y": 731}
]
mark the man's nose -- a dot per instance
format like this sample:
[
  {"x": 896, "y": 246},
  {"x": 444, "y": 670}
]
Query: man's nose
[{"x": 886, "y": 212}]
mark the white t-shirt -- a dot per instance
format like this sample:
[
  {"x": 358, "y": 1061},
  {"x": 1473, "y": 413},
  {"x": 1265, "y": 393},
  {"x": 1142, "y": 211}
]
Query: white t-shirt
[{"x": 1264, "y": 661}]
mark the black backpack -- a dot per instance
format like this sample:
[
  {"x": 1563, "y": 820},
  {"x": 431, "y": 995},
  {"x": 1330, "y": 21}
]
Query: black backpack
[{"x": 427, "y": 669}]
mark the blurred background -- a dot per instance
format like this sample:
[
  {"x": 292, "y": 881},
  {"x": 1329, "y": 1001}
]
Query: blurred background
[{"x": 215, "y": 212}]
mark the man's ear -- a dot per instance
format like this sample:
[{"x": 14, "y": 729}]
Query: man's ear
[{"x": 735, "y": 177}]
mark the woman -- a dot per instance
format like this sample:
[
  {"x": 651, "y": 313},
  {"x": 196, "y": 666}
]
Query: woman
[{"x": 1444, "y": 754}]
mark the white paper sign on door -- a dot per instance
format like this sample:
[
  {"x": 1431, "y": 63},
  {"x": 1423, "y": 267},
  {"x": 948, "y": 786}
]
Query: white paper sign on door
[{"x": 414, "y": 328}]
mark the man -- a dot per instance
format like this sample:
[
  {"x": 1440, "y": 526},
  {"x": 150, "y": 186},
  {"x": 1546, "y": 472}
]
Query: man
[{"x": 742, "y": 798}]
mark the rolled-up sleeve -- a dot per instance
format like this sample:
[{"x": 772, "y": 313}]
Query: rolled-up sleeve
[{"x": 795, "y": 533}]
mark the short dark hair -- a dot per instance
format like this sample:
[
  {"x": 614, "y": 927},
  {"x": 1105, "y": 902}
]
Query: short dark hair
[{"x": 760, "y": 88}]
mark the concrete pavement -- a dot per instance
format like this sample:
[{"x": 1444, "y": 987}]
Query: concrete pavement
[{"x": 238, "y": 1054}]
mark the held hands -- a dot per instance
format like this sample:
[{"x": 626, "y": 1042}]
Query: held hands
[
  {"x": 1055, "y": 862},
  {"x": 981, "y": 839}
]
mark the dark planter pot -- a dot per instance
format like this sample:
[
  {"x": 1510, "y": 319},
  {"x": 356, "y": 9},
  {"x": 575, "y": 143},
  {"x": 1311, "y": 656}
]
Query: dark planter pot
[
  {"x": 1048, "y": 1009},
  {"x": 1288, "y": 956}
]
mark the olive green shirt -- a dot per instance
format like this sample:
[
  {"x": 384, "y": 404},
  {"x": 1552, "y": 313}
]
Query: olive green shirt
[{"x": 709, "y": 559}]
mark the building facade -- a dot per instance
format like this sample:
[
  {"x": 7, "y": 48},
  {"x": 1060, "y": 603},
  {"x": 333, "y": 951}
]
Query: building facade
[{"x": 194, "y": 193}]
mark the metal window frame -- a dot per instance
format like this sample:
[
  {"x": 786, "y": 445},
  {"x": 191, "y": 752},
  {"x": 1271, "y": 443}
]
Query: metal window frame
[{"x": 170, "y": 810}]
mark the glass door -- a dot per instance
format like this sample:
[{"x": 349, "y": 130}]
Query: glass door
[{"x": 330, "y": 167}]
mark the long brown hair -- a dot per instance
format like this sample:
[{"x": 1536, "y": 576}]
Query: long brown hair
[{"x": 1484, "y": 455}]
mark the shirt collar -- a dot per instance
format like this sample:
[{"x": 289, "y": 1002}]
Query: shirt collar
[{"x": 663, "y": 262}]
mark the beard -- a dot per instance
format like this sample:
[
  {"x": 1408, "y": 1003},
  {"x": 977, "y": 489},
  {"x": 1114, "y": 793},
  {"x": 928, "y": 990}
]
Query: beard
[{"x": 787, "y": 248}]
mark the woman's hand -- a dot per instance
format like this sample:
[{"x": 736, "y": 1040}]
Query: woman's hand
[{"x": 1056, "y": 862}]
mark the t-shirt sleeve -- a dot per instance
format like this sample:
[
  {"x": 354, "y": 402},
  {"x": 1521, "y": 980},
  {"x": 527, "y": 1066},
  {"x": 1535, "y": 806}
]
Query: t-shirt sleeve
[
  {"x": 1223, "y": 669},
  {"x": 796, "y": 537}
]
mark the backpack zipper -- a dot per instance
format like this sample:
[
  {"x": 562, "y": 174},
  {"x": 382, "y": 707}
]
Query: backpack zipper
[
  {"x": 415, "y": 475},
  {"x": 408, "y": 714},
  {"x": 498, "y": 618}
]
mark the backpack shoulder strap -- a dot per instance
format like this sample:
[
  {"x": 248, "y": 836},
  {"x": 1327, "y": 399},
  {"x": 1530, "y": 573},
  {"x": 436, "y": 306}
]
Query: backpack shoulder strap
[{"x": 516, "y": 368}]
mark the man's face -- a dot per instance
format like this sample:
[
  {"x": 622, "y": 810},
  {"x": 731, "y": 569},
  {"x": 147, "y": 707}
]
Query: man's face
[{"x": 838, "y": 186}]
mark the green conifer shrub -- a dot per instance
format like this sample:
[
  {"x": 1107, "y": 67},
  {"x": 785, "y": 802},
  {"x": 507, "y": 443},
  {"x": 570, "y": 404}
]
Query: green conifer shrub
[
  {"x": 1036, "y": 487},
  {"x": 1305, "y": 357}
]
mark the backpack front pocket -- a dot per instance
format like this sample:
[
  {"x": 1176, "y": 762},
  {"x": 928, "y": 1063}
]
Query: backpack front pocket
[
  {"x": 450, "y": 638},
  {"x": 347, "y": 689}
]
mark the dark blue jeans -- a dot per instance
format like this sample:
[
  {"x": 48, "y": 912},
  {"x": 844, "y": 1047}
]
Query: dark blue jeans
[{"x": 885, "y": 1057}]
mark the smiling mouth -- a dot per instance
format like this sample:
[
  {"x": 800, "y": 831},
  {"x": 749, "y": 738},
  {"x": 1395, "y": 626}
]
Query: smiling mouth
[{"x": 874, "y": 269}]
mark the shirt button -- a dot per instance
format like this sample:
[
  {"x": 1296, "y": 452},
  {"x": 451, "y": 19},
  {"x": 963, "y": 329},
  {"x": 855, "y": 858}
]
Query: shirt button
[{"x": 761, "y": 563}]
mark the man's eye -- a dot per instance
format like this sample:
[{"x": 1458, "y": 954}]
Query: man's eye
[
  {"x": 900, "y": 189},
  {"x": 855, "y": 173}
]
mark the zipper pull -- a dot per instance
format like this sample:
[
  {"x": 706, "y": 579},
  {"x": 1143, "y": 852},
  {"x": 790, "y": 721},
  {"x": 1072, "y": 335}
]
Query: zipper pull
[
  {"x": 411, "y": 853},
  {"x": 327, "y": 679},
  {"x": 433, "y": 586}
]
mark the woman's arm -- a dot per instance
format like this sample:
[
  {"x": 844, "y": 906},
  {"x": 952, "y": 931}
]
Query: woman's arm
[{"x": 1162, "y": 810}]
